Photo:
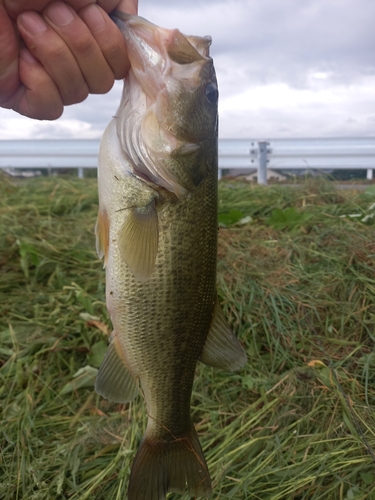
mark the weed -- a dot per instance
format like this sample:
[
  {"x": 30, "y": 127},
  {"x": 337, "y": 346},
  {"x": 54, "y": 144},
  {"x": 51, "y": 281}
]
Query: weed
[{"x": 296, "y": 423}]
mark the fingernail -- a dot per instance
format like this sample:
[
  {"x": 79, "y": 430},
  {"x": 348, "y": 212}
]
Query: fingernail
[
  {"x": 27, "y": 56},
  {"x": 93, "y": 17},
  {"x": 59, "y": 14},
  {"x": 32, "y": 22}
]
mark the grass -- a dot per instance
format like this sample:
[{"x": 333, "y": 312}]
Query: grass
[{"x": 296, "y": 423}]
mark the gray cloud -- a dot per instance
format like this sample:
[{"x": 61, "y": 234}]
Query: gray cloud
[
  {"x": 283, "y": 41},
  {"x": 96, "y": 108},
  {"x": 323, "y": 48}
]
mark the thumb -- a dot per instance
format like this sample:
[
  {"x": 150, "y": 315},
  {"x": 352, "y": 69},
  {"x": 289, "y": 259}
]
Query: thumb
[{"x": 9, "y": 80}]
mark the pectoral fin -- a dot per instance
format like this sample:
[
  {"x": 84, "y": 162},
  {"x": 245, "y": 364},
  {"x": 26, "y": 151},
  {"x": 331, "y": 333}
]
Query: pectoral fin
[
  {"x": 114, "y": 380},
  {"x": 102, "y": 235},
  {"x": 222, "y": 349},
  {"x": 138, "y": 240}
]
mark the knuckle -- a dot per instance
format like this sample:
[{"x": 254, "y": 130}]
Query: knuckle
[
  {"x": 84, "y": 45},
  {"x": 103, "y": 86},
  {"x": 76, "y": 95},
  {"x": 52, "y": 112},
  {"x": 114, "y": 47},
  {"x": 118, "y": 61},
  {"x": 47, "y": 103},
  {"x": 120, "y": 70},
  {"x": 55, "y": 52}
]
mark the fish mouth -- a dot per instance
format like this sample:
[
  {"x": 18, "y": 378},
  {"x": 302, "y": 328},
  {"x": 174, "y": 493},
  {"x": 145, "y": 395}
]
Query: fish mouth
[
  {"x": 155, "y": 51},
  {"x": 160, "y": 59},
  {"x": 145, "y": 31}
]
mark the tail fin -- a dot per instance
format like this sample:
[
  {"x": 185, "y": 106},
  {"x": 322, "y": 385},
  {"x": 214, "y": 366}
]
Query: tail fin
[{"x": 163, "y": 466}]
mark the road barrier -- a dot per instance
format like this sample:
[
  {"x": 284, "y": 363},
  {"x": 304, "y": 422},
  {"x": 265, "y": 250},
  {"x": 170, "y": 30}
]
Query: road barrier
[{"x": 239, "y": 155}]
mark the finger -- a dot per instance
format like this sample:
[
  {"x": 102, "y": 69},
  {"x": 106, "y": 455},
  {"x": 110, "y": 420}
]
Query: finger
[
  {"x": 82, "y": 44},
  {"x": 15, "y": 7},
  {"x": 109, "y": 39},
  {"x": 9, "y": 80},
  {"x": 37, "y": 97},
  {"x": 55, "y": 56},
  {"x": 128, "y": 6}
]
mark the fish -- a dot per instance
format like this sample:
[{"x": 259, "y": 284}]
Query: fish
[{"x": 157, "y": 233}]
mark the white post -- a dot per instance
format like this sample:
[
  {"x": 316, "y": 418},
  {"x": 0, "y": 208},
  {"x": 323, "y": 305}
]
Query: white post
[
  {"x": 369, "y": 174},
  {"x": 80, "y": 173},
  {"x": 262, "y": 163}
]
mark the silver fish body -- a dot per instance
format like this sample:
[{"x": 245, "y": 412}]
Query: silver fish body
[{"x": 157, "y": 232}]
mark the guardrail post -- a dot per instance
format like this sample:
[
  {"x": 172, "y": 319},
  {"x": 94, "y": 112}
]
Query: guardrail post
[
  {"x": 262, "y": 163},
  {"x": 369, "y": 174},
  {"x": 80, "y": 173}
]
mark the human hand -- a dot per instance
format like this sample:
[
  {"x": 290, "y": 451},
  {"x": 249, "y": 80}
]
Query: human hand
[{"x": 65, "y": 53}]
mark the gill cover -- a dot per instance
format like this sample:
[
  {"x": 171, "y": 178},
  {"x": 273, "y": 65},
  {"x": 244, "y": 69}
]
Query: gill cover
[{"x": 168, "y": 114}]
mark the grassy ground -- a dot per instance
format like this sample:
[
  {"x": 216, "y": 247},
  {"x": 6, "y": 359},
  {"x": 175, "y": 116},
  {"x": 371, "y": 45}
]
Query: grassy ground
[{"x": 297, "y": 282}]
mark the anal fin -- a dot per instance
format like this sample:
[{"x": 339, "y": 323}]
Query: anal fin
[
  {"x": 138, "y": 240},
  {"x": 222, "y": 349},
  {"x": 114, "y": 380}
]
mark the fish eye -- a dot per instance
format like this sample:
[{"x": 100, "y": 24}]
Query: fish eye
[{"x": 211, "y": 92}]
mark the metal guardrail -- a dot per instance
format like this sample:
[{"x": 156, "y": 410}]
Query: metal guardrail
[
  {"x": 237, "y": 154},
  {"x": 50, "y": 153},
  {"x": 298, "y": 154}
]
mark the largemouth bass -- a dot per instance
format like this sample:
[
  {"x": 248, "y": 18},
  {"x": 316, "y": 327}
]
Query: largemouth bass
[{"x": 157, "y": 232}]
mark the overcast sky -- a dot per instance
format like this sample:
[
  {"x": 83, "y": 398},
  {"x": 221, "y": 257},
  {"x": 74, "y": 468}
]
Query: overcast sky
[{"x": 286, "y": 68}]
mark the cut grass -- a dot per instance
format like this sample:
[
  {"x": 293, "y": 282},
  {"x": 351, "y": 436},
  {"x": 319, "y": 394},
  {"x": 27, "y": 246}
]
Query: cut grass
[{"x": 296, "y": 423}]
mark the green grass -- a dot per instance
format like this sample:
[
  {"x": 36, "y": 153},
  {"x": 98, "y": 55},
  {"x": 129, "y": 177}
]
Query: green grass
[{"x": 298, "y": 286}]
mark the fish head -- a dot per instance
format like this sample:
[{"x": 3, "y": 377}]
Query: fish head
[{"x": 167, "y": 121}]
